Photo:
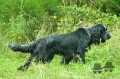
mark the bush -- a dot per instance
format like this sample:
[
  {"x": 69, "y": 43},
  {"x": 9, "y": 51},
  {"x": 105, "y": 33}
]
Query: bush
[
  {"x": 107, "y": 6},
  {"x": 22, "y": 19},
  {"x": 26, "y": 20},
  {"x": 73, "y": 17}
]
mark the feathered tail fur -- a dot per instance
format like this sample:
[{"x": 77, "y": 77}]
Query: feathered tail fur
[{"x": 20, "y": 48}]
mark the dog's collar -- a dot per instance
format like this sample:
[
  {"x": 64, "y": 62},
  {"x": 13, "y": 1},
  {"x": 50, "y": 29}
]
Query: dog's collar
[{"x": 87, "y": 30}]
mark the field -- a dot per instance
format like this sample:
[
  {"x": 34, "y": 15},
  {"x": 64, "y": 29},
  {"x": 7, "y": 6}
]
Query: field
[{"x": 25, "y": 24}]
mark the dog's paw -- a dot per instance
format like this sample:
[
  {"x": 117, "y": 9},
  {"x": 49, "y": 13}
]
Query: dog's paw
[{"x": 22, "y": 68}]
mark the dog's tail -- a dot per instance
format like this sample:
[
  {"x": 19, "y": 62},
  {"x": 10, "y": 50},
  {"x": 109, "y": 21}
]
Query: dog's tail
[{"x": 21, "y": 48}]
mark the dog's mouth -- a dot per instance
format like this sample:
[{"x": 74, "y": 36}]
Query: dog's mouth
[
  {"x": 105, "y": 37},
  {"x": 102, "y": 40},
  {"x": 97, "y": 42}
]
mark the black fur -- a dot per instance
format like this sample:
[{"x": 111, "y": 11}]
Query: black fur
[{"x": 66, "y": 45}]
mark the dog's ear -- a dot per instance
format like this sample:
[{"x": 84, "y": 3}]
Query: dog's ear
[{"x": 96, "y": 34}]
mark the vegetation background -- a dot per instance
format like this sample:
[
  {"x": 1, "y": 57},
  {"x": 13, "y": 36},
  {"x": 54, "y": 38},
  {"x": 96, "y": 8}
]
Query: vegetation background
[{"x": 24, "y": 21}]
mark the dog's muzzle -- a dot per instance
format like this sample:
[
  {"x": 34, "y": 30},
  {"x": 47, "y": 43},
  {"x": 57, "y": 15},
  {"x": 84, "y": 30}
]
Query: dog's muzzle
[
  {"x": 109, "y": 36},
  {"x": 105, "y": 37}
]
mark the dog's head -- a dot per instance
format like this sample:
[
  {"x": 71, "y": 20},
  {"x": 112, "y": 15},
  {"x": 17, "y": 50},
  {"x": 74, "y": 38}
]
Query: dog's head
[
  {"x": 99, "y": 33},
  {"x": 104, "y": 34}
]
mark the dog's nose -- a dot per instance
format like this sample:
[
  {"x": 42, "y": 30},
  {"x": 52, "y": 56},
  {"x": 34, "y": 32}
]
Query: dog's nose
[{"x": 109, "y": 36}]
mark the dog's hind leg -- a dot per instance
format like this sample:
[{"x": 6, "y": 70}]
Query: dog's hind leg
[
  {"x": 49, "y": 52},
  {"x": 47, "y": 57},
  {"x": 27, "y": 64}
]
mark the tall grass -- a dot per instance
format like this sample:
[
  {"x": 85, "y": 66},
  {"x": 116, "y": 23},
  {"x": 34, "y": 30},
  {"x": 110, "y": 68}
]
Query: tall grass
[{"x": 24, "y": 18}]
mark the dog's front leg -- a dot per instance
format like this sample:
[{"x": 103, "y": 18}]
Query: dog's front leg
[{"x": 81, "y": 52}]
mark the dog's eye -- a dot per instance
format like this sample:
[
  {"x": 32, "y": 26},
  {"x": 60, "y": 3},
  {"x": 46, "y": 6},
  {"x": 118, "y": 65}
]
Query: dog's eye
[{"x": 103, "y": 30}]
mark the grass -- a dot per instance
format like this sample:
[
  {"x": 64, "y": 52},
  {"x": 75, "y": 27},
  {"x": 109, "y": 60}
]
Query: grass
[
  {"x": 108, "y": 51},
  {"x": 36, "y": 19}
]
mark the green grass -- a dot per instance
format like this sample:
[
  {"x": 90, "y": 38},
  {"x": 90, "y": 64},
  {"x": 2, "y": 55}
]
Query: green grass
[
  {"x": 23, "y": 21},
  {"x": 108, "y": 51}
]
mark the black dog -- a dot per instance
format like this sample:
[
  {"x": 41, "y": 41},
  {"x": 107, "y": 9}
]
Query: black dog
[{"x": 67, "y": 45}]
